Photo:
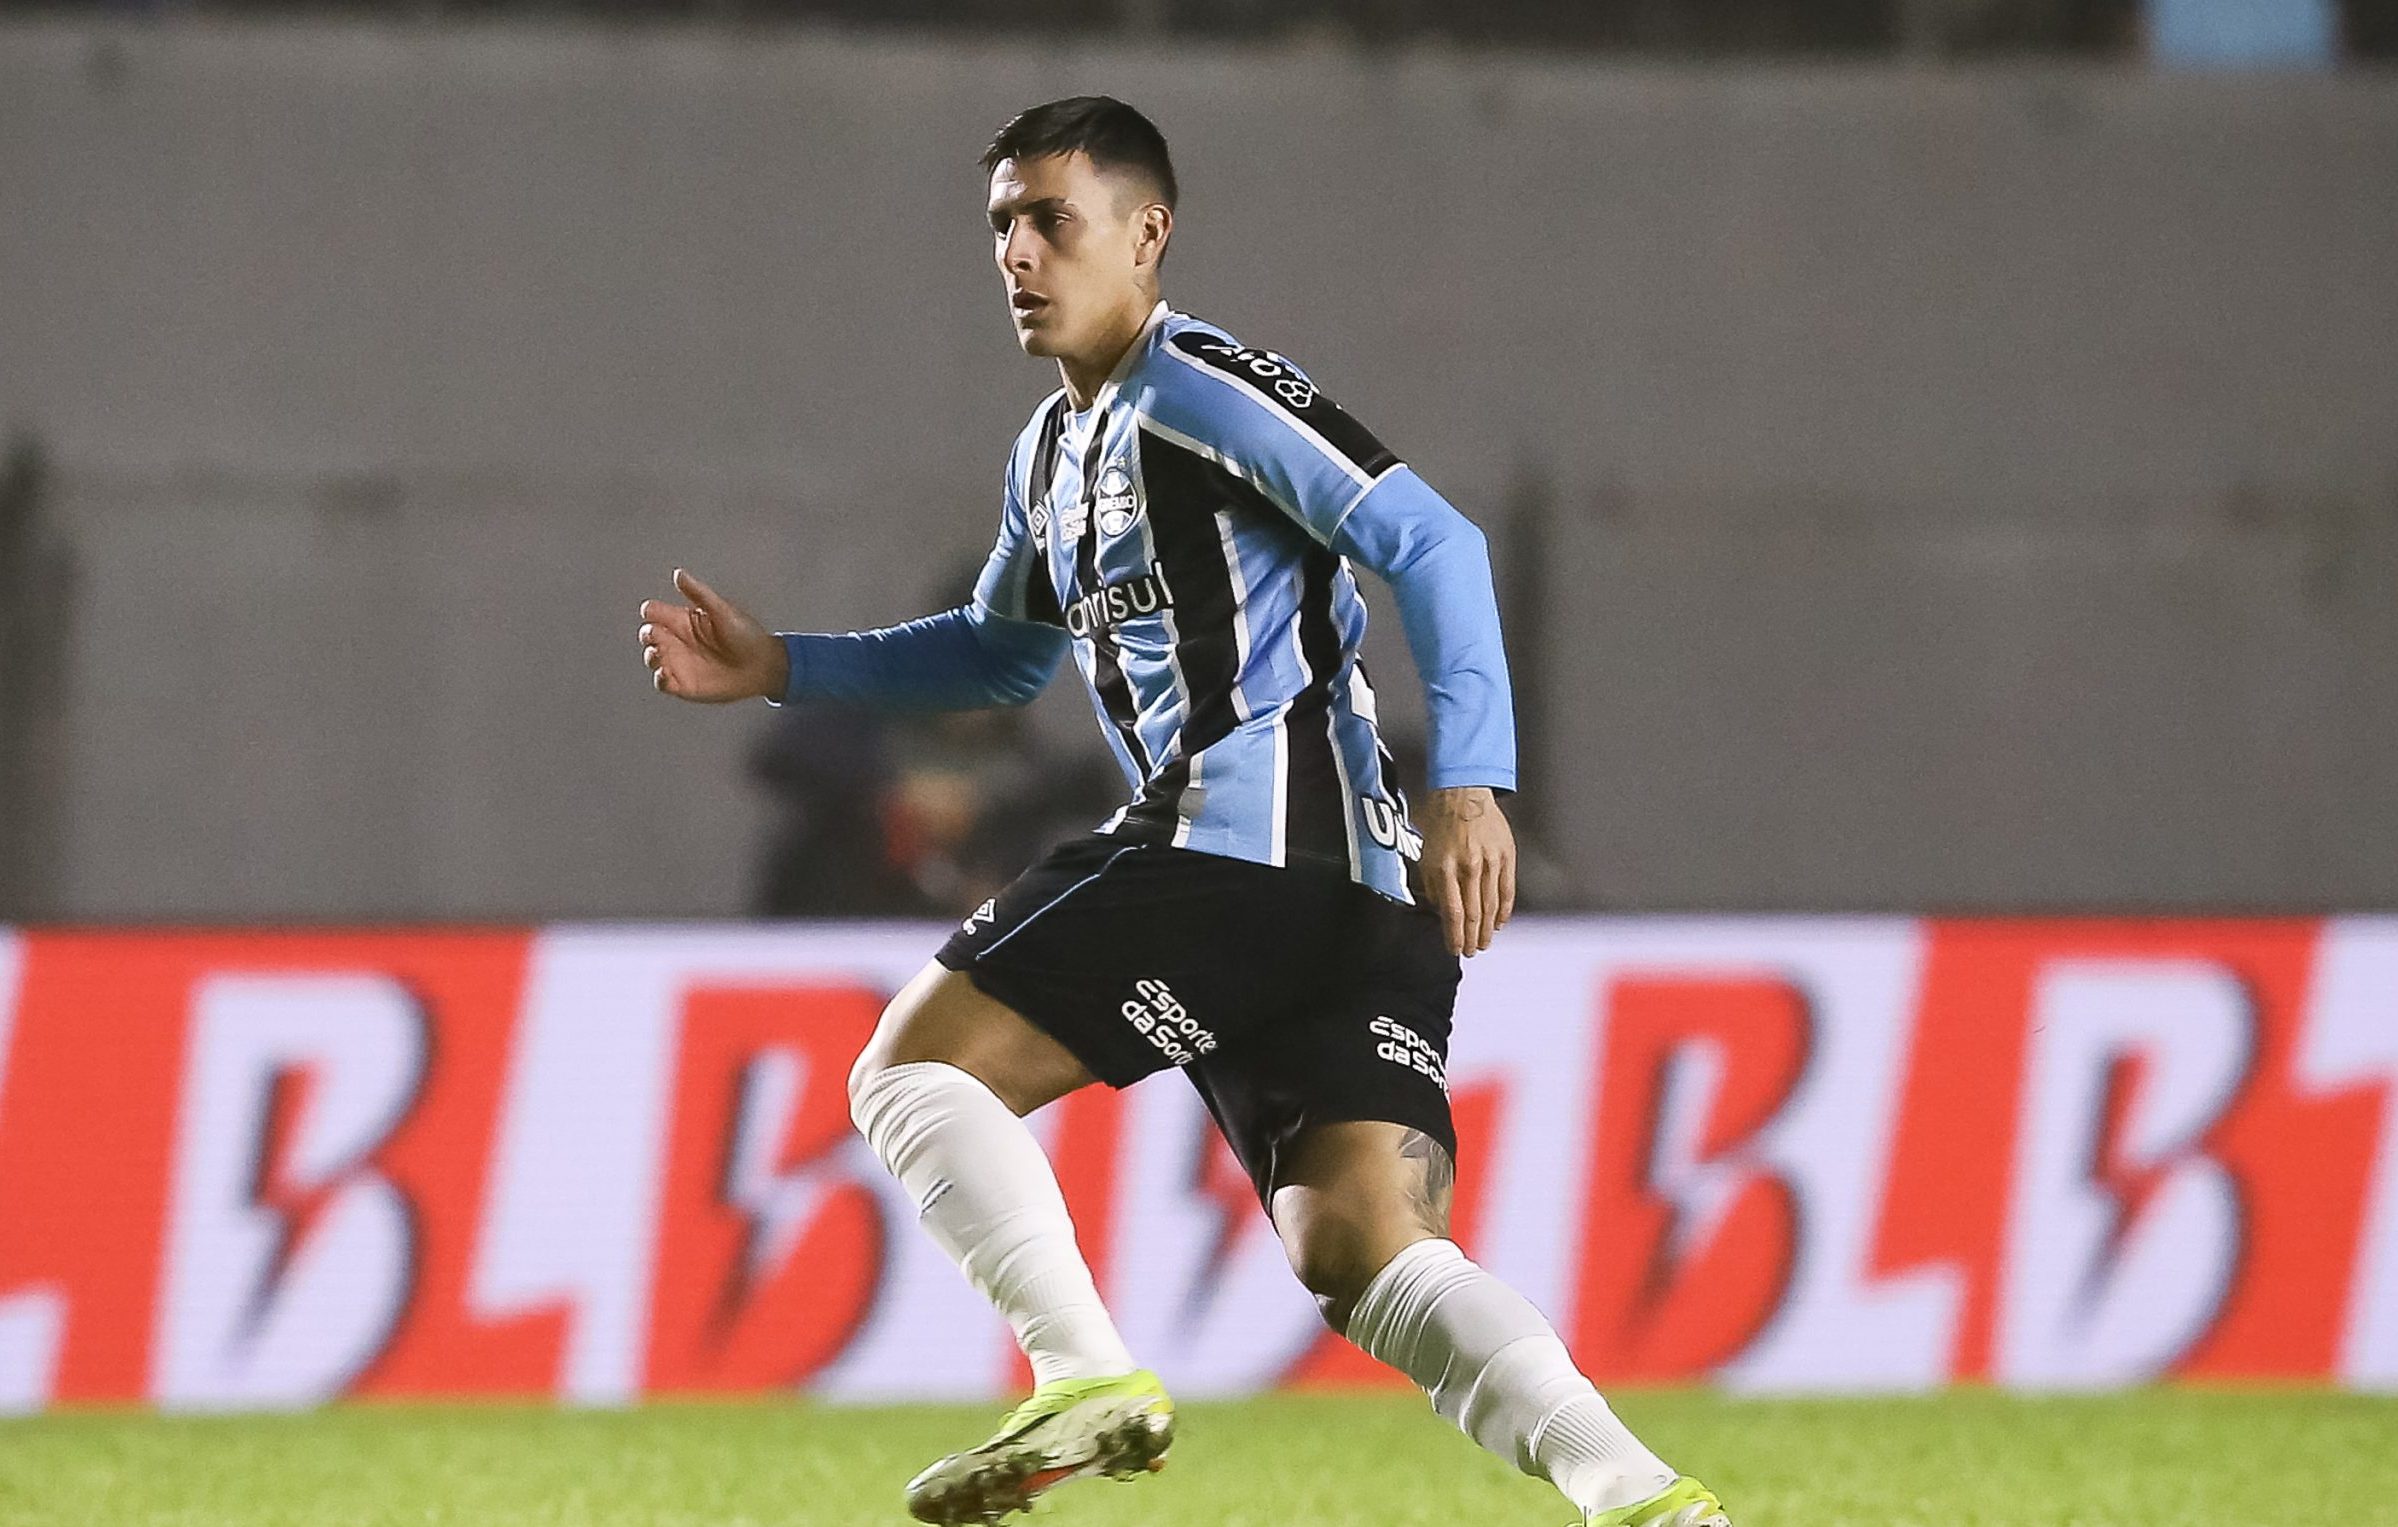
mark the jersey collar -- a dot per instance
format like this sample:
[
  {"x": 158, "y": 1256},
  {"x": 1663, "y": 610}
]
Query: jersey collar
[
  {"x": 1131, "y": 358},
  {"x": 1140, "y": 343}
]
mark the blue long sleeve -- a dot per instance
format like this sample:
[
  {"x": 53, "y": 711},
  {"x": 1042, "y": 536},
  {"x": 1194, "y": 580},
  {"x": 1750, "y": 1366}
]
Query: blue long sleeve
[
  {"x": 1259, "y": 415},
  {"x": 961, "y": 659},
  {"x": 1437, "y": 563}
]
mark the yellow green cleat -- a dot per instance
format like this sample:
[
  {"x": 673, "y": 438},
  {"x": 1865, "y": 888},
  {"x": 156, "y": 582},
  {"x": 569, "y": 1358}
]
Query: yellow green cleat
[
  {"x": 1070, "y": 1429},
  {"x": 1685, "y": 1503}
]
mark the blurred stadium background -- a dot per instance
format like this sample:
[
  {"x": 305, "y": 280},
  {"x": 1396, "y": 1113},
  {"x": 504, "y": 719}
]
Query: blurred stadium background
[{"x": 1942, "y": 462}]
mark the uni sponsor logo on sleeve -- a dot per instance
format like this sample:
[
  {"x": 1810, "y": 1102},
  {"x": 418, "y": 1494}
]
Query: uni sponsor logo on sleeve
[{"x": 1387, "y": 824}]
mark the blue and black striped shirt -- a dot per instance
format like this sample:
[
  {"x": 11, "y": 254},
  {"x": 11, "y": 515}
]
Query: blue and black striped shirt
[{"x": 1188, "y": 537}]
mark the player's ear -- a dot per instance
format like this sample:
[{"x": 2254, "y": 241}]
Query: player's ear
[{"x": 1154, "y": 226}]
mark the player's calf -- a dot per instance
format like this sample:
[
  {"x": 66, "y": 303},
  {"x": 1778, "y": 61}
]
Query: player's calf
[
  {"x": 1496, "y": 1370},
  {"x": 1364, "y": 1217}
]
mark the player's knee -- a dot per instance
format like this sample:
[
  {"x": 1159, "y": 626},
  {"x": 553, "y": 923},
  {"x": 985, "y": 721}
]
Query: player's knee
[
  {"x": 1335, "y": 1261},
  {"x": 875, "y": 1059},
  {"x": 1336, "y": 1298},
  {"x": 862, "y": 1076},
  {"x": 862, "y": 1073}
]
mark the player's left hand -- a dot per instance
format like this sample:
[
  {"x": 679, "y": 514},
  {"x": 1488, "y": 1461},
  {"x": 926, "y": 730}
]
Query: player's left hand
[{"x": 1469, "y": 865}]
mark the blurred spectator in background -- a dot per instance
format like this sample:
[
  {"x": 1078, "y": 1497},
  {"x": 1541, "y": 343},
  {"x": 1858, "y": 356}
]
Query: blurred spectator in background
[
  {"x": 879, "y": 814},
  {"x": 826, "y": 769},
  {"x": 976, "y": 798}
]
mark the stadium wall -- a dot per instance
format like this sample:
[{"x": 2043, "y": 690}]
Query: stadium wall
[
  {"x": 1958, "y": 489},
  {"x": 271, "y": 1169}
]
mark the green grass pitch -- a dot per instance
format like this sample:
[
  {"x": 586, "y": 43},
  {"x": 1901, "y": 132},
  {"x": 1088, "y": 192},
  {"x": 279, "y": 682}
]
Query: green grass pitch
[{"x": 1967, "y": 1459}]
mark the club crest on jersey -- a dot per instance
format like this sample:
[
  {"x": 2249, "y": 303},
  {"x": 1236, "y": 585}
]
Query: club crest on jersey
[{"x": 1118, "y": 505}]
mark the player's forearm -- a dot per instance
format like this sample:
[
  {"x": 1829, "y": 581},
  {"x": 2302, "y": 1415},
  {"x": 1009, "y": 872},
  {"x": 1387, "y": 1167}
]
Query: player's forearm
[
  {"x": 960, "y": 659},
  {"x": 1451, "y": 617},
  {"x": 1437, "y": 564}
]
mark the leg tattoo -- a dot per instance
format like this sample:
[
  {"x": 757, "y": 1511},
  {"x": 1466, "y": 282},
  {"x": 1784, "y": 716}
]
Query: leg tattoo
[{"x": 1431, "y": 1182}]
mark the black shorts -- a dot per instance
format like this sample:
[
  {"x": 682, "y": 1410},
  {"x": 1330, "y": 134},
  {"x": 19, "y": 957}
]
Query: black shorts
[{"x": 1290, "y": 997}]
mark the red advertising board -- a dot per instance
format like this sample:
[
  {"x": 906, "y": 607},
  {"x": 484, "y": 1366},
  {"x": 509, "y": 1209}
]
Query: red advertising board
[{"x": 267, "y": 1169}]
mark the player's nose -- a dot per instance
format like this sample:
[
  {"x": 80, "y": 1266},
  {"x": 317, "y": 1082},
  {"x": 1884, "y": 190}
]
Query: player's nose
[{"x": 1016, "y": 250}]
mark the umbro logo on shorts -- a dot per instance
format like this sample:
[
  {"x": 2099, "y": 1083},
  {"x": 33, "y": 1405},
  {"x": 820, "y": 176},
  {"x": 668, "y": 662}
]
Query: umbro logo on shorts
[
  {"x": 1159, "y": 1014},
  {"x": 985, "y": 914}
]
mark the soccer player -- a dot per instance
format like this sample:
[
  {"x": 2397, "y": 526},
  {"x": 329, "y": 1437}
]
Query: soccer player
[{"x": 1182, "y": 516}]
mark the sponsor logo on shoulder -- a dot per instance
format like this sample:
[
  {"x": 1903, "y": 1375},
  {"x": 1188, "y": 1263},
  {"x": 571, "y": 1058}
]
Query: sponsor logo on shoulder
[
  {"x": 982, "y": 916},
  {"x": 1159, "y": 1015},
  {"x": 1268, "y": 370}
]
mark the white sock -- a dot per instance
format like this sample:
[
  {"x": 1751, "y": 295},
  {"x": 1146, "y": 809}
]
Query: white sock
[
  {"x": 1497, "y": 1371},
  {"x": 987, "y": 1195}
]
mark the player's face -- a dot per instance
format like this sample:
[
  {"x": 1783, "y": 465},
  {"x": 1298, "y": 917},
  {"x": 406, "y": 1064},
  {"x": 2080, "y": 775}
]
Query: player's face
[{"x": 1070, "y": 244}]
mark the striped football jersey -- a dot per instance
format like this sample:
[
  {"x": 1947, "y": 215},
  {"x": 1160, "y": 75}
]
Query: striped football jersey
[{"x": 1191, "y": 534}]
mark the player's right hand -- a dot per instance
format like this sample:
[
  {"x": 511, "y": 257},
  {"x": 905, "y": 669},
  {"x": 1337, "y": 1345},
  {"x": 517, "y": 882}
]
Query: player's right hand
[{"x": 710, "y": 649}]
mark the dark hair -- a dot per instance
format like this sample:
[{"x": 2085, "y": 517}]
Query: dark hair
[{"x": 1112, "y": 133}]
